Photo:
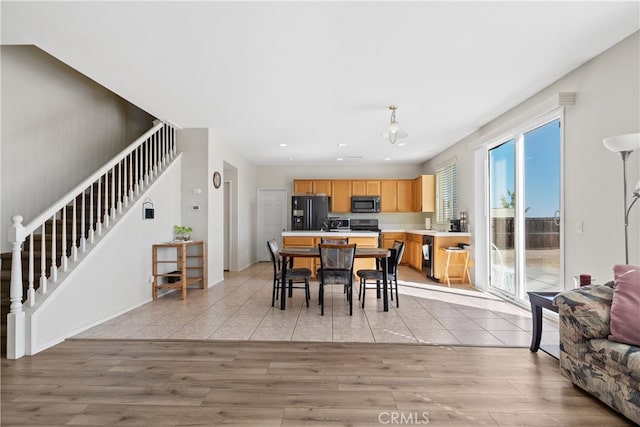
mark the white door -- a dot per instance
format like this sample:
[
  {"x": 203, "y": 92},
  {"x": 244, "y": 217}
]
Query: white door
[{"x": 272, "y": 218}]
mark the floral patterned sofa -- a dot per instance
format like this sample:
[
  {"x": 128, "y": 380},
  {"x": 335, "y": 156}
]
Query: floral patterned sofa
[{"x": 608, "y": 370}]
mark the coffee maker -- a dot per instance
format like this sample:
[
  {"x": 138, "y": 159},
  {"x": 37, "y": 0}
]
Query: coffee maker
[{"x": 455, "y": 225}]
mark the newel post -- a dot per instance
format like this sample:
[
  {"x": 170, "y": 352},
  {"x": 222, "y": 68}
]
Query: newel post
[{"x": 16, "y": 318}]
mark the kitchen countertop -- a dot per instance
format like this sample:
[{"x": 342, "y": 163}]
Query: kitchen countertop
[
  {"x": 318, "y": 233},
  {"x": 434, "y": 233}
]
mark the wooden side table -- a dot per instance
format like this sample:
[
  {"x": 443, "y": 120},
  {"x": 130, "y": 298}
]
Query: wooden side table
[
  {"x": 459, "y": 253},
  {"x": 182, "y": 266}
]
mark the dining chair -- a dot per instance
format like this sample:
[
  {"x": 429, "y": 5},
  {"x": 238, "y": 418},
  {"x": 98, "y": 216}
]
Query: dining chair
[
  {"x": 397, "y": 251},
  {"x": 332, "y": 241},
  {"x": 336, "y": 268},
  {"x": 293, "y": 275}
]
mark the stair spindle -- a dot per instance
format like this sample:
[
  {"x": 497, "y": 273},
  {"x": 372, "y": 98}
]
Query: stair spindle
[
  {"x": 74, "y": 233},
  {"x": 146, "y": 172},
  {"x": 130, "y": 182},
  {"x": 99, "y": 208},
  {"x": 83, "y": 225},
  {"x": 106, "y": 200},
  {"x": 54, "y": 262},
  {"x": 31, "y": 291},
  {"x": 113, "y": 192},
  {"x": 43, "y": 259},
  {"x": 91, "y": 223},
  {"x": 136, "y": 164},
  {"x": 119, "y": 186},
  {"x": 65, "y": 259}
]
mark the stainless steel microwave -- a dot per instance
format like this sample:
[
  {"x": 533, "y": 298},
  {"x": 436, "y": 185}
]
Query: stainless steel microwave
[{"x": 365, "y": 204}]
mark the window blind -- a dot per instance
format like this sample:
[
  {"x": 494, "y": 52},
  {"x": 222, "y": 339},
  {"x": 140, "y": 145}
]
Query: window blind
[{"x": 446, "y": 193}]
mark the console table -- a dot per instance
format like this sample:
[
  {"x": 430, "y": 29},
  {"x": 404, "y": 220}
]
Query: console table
[{"x": 180, "y": 279}]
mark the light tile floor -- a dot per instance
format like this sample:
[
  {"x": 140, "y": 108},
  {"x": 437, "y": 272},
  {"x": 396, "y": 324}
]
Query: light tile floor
[{"x": 239, "y": 308}]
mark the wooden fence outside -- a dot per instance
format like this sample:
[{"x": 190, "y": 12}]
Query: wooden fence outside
[{"x": 540, "y": 233}]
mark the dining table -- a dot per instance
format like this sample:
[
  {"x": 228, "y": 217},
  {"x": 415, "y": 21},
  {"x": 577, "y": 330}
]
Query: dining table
[{"x": 289, "y": 253}]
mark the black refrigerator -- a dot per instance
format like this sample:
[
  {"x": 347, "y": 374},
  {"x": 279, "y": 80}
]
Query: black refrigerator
[{"x": 309, "y": 212}]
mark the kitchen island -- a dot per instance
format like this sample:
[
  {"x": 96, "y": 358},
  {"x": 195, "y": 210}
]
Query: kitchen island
[{"x": 368, "y": 239}]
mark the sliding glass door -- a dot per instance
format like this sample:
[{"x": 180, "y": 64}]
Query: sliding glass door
[
  {"x": 524, "y": 212},
  {"x": 502, "y": 215},
  {"x": 542, "y": 208}
]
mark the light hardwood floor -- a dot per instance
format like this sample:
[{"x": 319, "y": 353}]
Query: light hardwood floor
[
  {"x": 224, "y": 356},
  {"x": 258, "y": 383}
]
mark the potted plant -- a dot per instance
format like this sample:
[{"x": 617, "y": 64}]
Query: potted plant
[{"x": 182, "y": 232}]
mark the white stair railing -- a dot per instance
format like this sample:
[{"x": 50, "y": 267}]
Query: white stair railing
[{"x": 114, "y": 186}]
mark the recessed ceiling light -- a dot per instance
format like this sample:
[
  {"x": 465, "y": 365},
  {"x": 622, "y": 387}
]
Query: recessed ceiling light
[
  {"x": 342, "y": 144},
  {"x": 291, "y": 159},
  {"x": 401, "y": 144},
  {"x": 387, "y": 158},
  {"x": 339, "y": 159},
  {"x": 283, "y": 145}
]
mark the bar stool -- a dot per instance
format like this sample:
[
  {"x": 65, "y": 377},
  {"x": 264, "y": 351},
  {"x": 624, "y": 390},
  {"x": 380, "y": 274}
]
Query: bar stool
[{"x": 464, "y": 263}]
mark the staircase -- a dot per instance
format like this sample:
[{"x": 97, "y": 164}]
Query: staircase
[{"x": 50, "y": 246}]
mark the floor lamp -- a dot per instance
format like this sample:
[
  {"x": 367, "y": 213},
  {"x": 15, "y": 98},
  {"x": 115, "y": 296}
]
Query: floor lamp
[{"x": 625, "y": 145}]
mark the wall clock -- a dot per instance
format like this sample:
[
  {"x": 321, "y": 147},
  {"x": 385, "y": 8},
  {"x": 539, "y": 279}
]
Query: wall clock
[{"x": 217, "y": 179}]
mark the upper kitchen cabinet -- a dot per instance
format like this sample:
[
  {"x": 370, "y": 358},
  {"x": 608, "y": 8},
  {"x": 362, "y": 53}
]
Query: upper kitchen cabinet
[
  {"x": 312, "y": 186},
  {"x": 303, "y": 186},
  {"x": 388, "y": 195},
  {"x": 322, "y": 186},
  {"x": 340, "y": 196},
  {"x": 405, "y": 195},
  {"x": 365, "y": 188},
  {"x": 424, "y": 193}
]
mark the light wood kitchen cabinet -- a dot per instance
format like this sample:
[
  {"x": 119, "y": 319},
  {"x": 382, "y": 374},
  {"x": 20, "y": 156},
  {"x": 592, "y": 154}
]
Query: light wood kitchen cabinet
[
  {"x": 387, "y": 241},
  {"x": 389, "y": 195},
  {"x": 303, "y": 186},
  {"x": 364, "y": 263},
  {"x": 365, "y": 188},
  {"x": 322, "y": 186},
  {"x": 312, "y": 186},
  {"x": 414, "y": 250},
  {"x": 424, "y": 193},
  {"x": 300, "y": 262},
  {"x": 404, "y": 195},
  {"x": 389, "y": 237},
  {"x": 340, "y": 196}
]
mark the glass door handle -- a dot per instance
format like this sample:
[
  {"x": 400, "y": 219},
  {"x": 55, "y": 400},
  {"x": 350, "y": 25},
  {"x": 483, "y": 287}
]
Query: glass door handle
[{"x": 556, "y": 217}]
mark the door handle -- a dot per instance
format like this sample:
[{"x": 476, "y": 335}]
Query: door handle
[{"x": 556, "y": 217}]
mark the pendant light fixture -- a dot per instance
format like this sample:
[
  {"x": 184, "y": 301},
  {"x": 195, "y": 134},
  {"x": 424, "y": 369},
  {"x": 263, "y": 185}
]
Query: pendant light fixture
[{"x": 393, "y": 131}]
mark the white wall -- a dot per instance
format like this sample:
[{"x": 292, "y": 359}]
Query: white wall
[
  {"x": 204, "y": 153},
  {"x": 244, "y": 183},
  {"x": 114, "y": 276},
  {"x": 58, "y": 127},
  {"x": 607, "y": 103}
]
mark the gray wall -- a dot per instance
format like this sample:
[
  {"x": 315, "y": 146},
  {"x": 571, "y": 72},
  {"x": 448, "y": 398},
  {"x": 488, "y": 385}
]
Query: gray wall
[
  {"x": 58, "y": 127},
  {"x": 607, "y": 103}
]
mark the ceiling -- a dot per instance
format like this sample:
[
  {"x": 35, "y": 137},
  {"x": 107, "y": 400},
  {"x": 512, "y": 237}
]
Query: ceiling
[{"x": 313, "y": 75}]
